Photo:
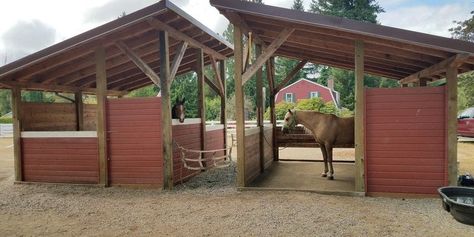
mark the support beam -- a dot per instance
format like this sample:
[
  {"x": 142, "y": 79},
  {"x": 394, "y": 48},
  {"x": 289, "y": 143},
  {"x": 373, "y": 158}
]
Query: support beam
[
  {"x": 454, "y": 61},
  {"x": 201, "y": 96},
  {"x": 139, "y": 62},
  {"x": 236, "y": 19},
  {"x": 223, "y": 102},
  {"x": 101, "y": 82},
  {"x": 452, "y": 110},
  {"x": 239, "y": 106},
  {"x": 266, "y": 54},
  {"x": 290, "y": 76},
  {"x": 79, "y": 111},
  {"x": 16, "y": 112},
  {"x": 159, "y": 25},
  {"x": 59, "y": 88},
  {"x": 177, "y": 60},
  {"x": 359, "y": 128},
  {"x": 166, "y": 110},
  {"x": 271, "y": 85},
  {"x": 260, "y": 106},
  {"x": 218, "y": 75},
  {"x": 212, "y": 85},
  {"x": 424, "y": 81}
]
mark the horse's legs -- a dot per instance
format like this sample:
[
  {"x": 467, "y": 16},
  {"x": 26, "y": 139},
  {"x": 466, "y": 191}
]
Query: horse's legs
[
  {"x": 325, "y": 159},
  {"x": 329, "y": 158}
]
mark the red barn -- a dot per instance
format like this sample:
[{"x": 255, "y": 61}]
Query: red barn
[{"x": 306, "y": 89}]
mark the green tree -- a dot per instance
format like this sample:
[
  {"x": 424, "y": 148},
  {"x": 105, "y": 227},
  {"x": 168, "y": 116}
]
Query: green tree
[
  {"x": 5, "y": 102},
  {"x": 361, "y": 10},
  {"x": 298, "y": 5},
  {"x": 464, "y": 30}
]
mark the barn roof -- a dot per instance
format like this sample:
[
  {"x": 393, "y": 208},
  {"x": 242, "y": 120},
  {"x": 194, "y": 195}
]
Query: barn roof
[
  {"x": 70, "y": 65},
  {"x": 389, "y": 52}
]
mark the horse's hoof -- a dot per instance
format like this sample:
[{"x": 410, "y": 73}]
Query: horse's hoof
[
  {"x": 324, "y": 175},
  {"x": 330, "y": 177}
]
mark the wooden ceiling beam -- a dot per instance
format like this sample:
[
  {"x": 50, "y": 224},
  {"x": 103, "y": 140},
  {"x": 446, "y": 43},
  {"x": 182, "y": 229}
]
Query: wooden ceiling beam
[
  {"x": 213, "y": 86},
  {"x": 139, "y": 62},
  {"x": 159, "y": 25},
  {"x": 56, "y": 88},
  {"x": 330, "y": 41},
  {"x": 352, "y": 36},
  {"x": 454, "y": 61},
  {"x": 178, "y": 57},
  {"x": 266, "y": 54}
]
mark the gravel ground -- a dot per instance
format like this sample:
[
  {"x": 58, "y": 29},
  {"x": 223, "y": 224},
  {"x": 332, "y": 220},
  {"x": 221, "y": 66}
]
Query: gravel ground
[{"x": 209, "y": 205}]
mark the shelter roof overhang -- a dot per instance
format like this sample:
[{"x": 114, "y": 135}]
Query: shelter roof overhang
[
  {"x": 389, "y": 52},
  {"x": 69, "y": 66}
]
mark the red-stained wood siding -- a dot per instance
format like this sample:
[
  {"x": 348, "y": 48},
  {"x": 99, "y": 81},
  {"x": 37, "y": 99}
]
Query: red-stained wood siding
[
  {"x": 215, "y": 141},
  {"x": 405, "y": 140},
  {"x": 302, "y": 89},
  {"x": 60, "y": 160},
  {"x": 189, "y": 137},
  {"x": 135, "y": 141},
  {"x": 252, "y": 155}
]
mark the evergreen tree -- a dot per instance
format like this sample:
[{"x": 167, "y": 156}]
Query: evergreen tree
[
  {"x": 464, "y": 30},
  {"x": 298, "y": 5},
  {"x": 361, "y": 10}
]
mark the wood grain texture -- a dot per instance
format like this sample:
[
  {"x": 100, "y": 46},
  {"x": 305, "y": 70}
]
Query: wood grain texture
[
  {"x": 189, "y": 137},
  {"x": 405, "y": 140},
  {"x": 61, "y": 160},
  {"x": 135, "y": 149},
  {"x": 252, "y": 156}
]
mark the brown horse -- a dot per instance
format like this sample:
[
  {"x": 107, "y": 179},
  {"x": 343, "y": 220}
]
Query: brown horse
[
  {"x": 328, "y": 130},
  {"x": 177, "y": 112}
]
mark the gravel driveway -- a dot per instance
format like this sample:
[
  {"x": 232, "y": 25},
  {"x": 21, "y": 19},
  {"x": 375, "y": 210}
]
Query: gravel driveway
[{"x": 209, "y": 205}]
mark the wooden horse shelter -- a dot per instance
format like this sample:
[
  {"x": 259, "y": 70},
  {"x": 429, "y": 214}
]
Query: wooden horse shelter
[
  {"x": 405, "y": 138},
  {"x": 117, "y": 141}
]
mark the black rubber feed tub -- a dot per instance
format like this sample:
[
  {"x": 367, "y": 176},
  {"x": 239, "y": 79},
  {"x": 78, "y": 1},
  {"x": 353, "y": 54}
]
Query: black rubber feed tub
[{"x": 460, "y": 202}]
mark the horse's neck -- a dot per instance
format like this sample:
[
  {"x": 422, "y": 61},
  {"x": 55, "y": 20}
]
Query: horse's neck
[{"x": 308, "y": 119}]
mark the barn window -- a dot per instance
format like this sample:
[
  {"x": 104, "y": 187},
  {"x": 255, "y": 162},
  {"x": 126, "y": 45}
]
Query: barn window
[
  {"x": 314, "y": 94},
  {"x": 289, "y": 97}
]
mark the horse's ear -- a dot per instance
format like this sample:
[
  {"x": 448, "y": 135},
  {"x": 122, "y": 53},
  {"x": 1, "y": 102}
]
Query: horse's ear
[{"x": 289, "y": 111}]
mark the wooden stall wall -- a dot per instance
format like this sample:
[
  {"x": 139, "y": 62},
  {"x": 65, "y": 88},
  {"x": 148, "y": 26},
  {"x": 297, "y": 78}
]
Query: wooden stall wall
[
  {"x": 60, "y": 160},
  {"x": 405, "y": 140},
  {"x": 135, "y": 141},
  {"x": 55, "y": 117},
  {"x": 189, "y": 137},
  {"x": 268, "y": 146},
  {"x": 215, "y": 139},
  {"x": 252, "y": 154}
]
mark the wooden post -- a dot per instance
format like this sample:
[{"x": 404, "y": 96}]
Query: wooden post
[
  {"x": 259, "y": 103},
  {"x": 166, "y": 110},
  {"x": 424, "y": 81},
  {"x": 452, "y": 110},
  {"x": 223, "y": 102},
  {"x": 79, "y": 111},
  {"x": 201, "y": 97},
  {"x": 101, "y": 94},
  {"x": 239, "y": 106},
  {"x": 359, "y": 117},
  {"x": 271, "y": 84},
  {"x": 16, "y": 112}
]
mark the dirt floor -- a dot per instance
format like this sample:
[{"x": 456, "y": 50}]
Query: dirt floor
[{"x": 212, "y": 210}]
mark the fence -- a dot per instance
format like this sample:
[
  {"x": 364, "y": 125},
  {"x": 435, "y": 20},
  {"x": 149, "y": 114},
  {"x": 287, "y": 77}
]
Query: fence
[{"x": 6, "y": 130}]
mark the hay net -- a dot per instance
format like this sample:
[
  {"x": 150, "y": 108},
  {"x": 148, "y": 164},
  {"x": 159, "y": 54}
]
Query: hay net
[{"x": 193, "y": 159}]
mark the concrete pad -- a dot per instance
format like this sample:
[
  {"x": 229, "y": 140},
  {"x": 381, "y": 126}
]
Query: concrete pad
[{"x": 307, "y": 176}]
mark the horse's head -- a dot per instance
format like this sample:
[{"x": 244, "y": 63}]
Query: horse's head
[
  {"x": 179, "y": 110},
  {"x": 289, "y": 122}
]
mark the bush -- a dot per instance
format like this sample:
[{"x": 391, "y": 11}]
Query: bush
[
  {"x": 314, "y": 104},
  {"x": 6, "y": 120},
  {"x": 280, "y": 110}
]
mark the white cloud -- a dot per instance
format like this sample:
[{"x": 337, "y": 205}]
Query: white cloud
[{"x": 425, "y": 18}]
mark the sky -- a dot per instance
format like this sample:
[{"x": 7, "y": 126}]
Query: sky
[{"x": 30, "y": 25}]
